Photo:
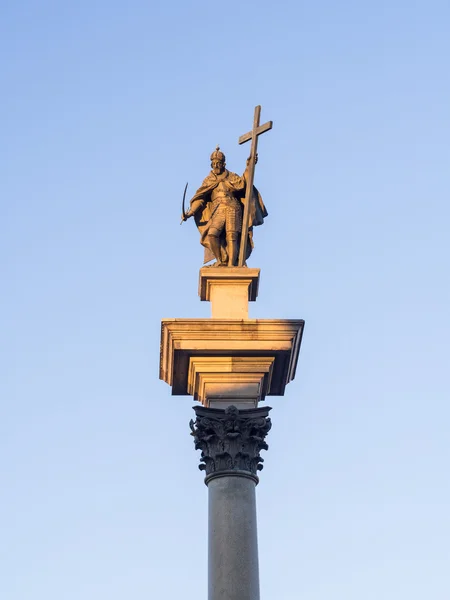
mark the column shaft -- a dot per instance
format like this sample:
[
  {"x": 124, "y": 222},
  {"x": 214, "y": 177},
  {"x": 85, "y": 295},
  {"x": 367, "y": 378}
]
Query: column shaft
[{"x": 233, "y": 572}]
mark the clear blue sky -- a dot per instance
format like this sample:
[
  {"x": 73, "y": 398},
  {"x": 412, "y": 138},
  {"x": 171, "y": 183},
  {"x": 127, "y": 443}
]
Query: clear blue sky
[{"x": 107, "y": 109}]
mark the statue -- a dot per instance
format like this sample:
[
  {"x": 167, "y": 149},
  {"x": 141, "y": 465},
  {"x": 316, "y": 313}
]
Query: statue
[
  {"x": 218, "y": 207},
  {"x": 226, "y": 207}
]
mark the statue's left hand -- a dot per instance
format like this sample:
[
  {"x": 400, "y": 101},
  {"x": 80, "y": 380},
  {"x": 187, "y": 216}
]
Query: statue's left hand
[{"x": 249, "y": 158}]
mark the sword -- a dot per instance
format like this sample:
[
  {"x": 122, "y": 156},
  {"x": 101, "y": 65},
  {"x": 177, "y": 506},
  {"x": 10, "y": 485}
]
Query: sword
[{"x": 183, "y": 213}]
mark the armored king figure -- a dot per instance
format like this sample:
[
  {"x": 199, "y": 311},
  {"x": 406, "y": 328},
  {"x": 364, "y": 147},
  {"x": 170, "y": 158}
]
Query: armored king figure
[{"x": 217, "y": 207}]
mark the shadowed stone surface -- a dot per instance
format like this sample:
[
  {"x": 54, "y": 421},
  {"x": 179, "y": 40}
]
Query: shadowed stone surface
[{"x": 230, "y": 440}]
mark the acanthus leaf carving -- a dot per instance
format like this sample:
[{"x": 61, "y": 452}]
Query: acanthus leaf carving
[{"x": 230, "y": 439}]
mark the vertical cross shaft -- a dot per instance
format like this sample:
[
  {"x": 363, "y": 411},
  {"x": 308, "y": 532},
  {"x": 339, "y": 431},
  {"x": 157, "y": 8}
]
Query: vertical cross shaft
[{"x": 251, "y": 135}]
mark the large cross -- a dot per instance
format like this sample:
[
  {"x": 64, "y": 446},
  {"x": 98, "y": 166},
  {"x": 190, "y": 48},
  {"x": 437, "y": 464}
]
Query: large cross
[{"x": 251, "y": 135}]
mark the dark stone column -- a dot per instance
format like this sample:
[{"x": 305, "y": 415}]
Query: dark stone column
[{"x": 230, "y": 441}]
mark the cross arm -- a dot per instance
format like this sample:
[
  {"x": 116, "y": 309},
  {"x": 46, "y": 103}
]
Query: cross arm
[{"x": 258, "y": 131}]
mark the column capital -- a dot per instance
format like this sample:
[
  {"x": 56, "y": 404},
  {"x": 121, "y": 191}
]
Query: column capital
[{"x": 230, "y": 440}]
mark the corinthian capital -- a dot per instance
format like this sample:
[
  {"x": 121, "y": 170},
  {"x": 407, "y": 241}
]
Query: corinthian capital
[{"x": 230, "y": 440}]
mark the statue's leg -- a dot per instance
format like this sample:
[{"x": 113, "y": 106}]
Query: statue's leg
[
  {"x": 233, "y": 227},
  {"x": 214, "y": 243},
  {"x": 232, "y": 247}
]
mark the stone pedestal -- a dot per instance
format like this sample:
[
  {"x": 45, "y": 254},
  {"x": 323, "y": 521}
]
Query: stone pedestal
[
  {"x": 229, "y": 289},
  {"x": 229, "y": 359},
  {"x": 230, "y": 441}
]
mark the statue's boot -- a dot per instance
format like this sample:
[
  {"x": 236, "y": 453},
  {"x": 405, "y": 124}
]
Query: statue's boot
[
  {"x": 232, "y": 247},
  {"x": 216, "y": 250}
]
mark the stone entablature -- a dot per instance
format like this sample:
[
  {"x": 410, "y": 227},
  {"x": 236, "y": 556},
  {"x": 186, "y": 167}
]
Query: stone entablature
[{"x": 197, "y": 353}]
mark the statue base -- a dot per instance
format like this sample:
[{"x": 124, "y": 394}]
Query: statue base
[
  {"x": 229, "y": 289},
  {"x": 229, "y": 359}
]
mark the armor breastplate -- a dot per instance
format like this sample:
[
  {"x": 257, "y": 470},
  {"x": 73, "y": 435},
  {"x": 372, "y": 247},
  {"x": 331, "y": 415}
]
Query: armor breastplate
[{"x": 221, "y": 191}]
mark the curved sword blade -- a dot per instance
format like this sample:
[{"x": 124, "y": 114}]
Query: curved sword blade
[{"x": 183, "y": 211}]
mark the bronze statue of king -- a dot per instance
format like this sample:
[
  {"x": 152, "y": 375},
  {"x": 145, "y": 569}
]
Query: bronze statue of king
[{"x": 218, "y": 209}]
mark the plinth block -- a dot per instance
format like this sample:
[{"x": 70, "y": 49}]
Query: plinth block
[{"x": 229, "y": 289}]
